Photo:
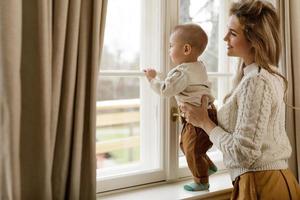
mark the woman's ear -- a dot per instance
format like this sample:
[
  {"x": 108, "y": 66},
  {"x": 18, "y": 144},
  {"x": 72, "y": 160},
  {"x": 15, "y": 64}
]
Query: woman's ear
[{"x": 187, "y": 49}]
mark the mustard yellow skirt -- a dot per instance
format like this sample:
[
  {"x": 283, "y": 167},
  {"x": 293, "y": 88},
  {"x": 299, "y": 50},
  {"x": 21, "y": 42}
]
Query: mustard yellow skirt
[{"x": 266, "y": 185}]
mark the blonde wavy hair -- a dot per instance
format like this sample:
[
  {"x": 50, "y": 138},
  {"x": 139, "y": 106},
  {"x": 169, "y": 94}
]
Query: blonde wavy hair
[{"x": 260, "y": 24}]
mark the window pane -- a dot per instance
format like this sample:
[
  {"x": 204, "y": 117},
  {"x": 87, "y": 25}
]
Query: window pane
[
  {"x": 122, "y": 35},
  {"x": 114, "y": 88},
  {"x": 128, "y": 132},
  {"x": 204, "y": 13},
  {"x": 117, "y": 122},
  {"x": 127, "y": 127}
]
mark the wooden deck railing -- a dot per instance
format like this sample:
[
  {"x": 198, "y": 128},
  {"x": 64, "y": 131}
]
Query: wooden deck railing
[{"x": 116, "y": 113}]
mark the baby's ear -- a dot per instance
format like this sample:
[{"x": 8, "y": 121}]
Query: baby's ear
[{"x": 187, "y": 49}]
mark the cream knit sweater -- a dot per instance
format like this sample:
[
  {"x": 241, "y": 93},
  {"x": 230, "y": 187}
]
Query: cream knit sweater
[{"x": 251, "y": 132}]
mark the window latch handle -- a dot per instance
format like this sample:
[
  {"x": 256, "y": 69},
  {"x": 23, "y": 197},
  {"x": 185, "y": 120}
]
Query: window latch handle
[{"x": 174, "y": 114}]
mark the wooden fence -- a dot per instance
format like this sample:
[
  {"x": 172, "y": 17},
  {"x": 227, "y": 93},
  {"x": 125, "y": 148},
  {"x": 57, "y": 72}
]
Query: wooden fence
[{"x": 117, "y": 113}]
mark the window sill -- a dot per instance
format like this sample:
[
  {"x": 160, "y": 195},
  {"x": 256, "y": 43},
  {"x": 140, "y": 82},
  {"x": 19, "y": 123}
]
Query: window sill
[{"x": 220, "y": 188}]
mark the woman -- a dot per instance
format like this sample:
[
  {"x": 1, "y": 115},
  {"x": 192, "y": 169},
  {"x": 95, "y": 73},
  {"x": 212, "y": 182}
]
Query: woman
[{"x": 251, "y": 132}]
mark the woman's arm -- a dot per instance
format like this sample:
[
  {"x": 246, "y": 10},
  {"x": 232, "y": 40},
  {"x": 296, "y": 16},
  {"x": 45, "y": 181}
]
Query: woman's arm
[{"x": 243, "y": 145}]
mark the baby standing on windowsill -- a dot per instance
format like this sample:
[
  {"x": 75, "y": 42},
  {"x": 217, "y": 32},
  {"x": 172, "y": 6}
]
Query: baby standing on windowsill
[{"x": 188, "y": 82}]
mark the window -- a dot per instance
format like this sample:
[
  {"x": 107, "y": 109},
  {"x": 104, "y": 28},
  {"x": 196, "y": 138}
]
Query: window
[
  {"x": 136, "y": 140},
  {"x": 129, "y": 136}
]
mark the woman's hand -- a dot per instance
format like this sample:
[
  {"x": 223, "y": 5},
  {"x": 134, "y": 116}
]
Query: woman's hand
[{"x": 198, "y": 116}]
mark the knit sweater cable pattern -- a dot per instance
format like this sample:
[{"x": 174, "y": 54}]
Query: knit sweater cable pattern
[{"x": 251, "y": 132}]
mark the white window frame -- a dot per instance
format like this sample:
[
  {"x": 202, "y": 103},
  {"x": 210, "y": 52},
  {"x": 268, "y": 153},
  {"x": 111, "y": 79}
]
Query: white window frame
[
  {"x": 170, "y": 171},
  {"x": 140, "y": 177}
]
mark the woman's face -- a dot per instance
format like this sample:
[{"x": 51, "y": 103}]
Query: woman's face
[{"x": 237, "y": 44}]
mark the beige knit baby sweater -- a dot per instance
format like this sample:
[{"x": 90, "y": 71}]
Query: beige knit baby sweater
[
  {"x": 188, "y": 82},
  {"x": 251, "y": 132}
]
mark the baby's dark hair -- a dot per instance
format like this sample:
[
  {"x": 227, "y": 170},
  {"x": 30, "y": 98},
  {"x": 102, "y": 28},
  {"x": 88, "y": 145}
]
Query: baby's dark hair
[{"x": 193, "y": 35}]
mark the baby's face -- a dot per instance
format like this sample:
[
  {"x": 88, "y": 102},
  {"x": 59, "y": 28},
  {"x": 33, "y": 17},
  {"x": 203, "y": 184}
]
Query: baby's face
[{"x": 176, "y": 50}]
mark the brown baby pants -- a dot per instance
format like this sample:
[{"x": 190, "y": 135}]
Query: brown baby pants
[{"x": 194, "y": 143}]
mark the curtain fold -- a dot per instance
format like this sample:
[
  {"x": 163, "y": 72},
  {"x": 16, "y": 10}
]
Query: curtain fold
[
  {"x": 295, "y": 72},
  {"x": 51, "y": 91},
  {"x": 290, "y": 20},
  {"x": 10, "y": 97}
]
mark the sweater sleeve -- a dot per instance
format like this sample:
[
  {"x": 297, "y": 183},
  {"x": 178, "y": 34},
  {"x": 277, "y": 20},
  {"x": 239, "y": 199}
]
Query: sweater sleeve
[
  {"x": 243, "y": 146},
  {"x": 175, "y": 83}
]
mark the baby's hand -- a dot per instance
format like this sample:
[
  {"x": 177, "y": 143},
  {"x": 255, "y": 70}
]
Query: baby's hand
[{"x": 150, "y": 73}]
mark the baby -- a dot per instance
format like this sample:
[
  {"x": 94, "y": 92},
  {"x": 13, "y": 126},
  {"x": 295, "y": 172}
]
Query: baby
[{"x": 188, "y": 82}]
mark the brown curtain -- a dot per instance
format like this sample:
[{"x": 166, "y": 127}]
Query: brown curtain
[
  {"x": 290, "y": 20},
  {"x": 295, "y": 72},
  {"x": 50, "y": 55},
  {"x": 10, "y": 98}
]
